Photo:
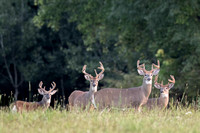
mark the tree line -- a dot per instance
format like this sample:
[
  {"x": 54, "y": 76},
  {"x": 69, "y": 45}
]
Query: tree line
[{"x": 45, "y": 40}]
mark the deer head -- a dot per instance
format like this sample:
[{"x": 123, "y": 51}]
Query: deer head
[
  {"x": 47, "y": 94},
  {"x": 148, "y": 74},
  {"x": 164, "y": 89},
  {"x": 94, "y": 80}
]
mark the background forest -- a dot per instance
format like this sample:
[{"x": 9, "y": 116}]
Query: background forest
[{"x": 51, "y": 40}]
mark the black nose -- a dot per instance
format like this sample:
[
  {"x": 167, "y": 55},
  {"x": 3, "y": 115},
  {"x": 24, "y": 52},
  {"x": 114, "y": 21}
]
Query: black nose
[
  {"x": 148, "y": 79},
  {"x": 161, "y": 91},
  {"x": 94, "y": 85}
]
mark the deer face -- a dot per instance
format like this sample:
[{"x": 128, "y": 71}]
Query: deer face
[
  {"x": 47, "y": 94},
  {"x": 94, "y": 80},
  {"x": 148, "y": 75},
  {"x": 164, "y": 89},
  {"x": 47, "y": 97}
]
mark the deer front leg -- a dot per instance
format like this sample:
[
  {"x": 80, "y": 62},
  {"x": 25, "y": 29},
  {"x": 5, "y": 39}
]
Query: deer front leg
[
  {"x": 138, "y": 108},
  {"x": 93, "y": 102}
]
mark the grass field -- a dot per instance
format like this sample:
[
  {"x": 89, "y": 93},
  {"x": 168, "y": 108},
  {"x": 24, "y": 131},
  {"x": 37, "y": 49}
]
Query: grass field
[{"x": 115, "y": 121}]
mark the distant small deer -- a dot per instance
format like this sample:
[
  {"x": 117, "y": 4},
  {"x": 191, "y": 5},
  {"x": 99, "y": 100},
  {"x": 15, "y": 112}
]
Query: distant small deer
[
  {"x": 131, "y": 97},
  {"x": 82, "y": 99},
  {"x": 20, "y": 106},
  {"x": 163, "y": 100}
]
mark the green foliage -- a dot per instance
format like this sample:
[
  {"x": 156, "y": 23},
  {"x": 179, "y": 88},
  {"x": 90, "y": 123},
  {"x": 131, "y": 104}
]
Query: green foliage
[{"x": 71, "y": 33}]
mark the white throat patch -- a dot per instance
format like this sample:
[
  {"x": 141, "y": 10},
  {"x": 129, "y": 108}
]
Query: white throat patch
[
  {"x": 164, "y": 95},
  {"x": 48, "y": 101},
  {"x": 94, "y": 89},
  {"x": 149, "y": 82}
]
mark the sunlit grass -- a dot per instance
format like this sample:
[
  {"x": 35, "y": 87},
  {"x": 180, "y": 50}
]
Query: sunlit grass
[{"x": 113, "y": 121}]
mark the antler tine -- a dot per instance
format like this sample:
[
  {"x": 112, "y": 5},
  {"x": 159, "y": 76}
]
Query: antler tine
[
  {"x": 95, "y": 72},
  {"x": 102, "y": 69},
  {"x": 162, "y": 82},
  {"x": 138, "y": 64},
  {"x": 40, "y": 85},
  {"x": 53, "y": 84},
  {"x": 154, "y": 65},
  {"x": 141, "y": 66},
  {"x": 173, "y": 79},
  {"x": 156, "y": 79},
  {"x": 83, "y": 70},
  {"x": 157, "y": 66}
]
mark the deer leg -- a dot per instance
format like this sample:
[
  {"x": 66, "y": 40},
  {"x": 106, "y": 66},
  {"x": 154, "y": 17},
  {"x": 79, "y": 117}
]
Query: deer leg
[
  {"x": 93, "y": 102},
  {"x": 138, "y": 108}
]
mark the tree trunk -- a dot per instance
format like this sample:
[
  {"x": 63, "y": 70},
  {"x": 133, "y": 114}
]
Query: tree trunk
[
  {"x": 16, "y": 93},
  {"x": 63, "y": 93}
]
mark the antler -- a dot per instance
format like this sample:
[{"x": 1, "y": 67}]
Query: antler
[
  {"x": 53, "y": 84},
  {"x": 102, "y": 70},
  {"x": 154, "y": 65},
  {"x": 40, "y": 85},
  {"x": 141, "y": 67},
  {"x": 173, "y": 79},
  {"x": 156, "y": 79},
  {"x": 83, "y": 70}
]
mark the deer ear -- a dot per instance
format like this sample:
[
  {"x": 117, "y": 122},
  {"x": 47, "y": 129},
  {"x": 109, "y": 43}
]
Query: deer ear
[
  {"x": 158, "y": 86},
  {"x": 40, "y": 91},
  {"x": 53, "y": 92},
  {"x": 101, "y": 77},
  {"x": 156, "y": 71},
  {"x": 171, "y": 85},
  {"x": 141, "y": 72},
  {"x": 87, "y": 77}
]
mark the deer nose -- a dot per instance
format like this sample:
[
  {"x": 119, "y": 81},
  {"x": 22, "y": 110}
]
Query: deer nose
[
  {"x": 94, "y": 85},
  {"x": 148, "y": 79},
  {"x": 161, "y": 91}
]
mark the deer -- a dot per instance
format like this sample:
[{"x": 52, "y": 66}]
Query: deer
[
  {"x": 82, "y": 99},
  {"x": 132, "y": 97},
  {"x": 163, "y": 100},
  {"x": 44, "y": 104}
]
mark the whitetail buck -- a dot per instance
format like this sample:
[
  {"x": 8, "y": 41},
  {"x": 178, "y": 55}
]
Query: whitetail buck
[
  {"x": 82, "y": 99},
  {"x": 19, "y": 106},
  {"x": 163, "y": 100},
  {"x": 131, "y": 97}
]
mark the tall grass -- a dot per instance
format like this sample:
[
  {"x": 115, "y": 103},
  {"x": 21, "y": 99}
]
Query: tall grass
[
  {"x": 181, "y": 116},
  {"x": 181, "y": 119}
]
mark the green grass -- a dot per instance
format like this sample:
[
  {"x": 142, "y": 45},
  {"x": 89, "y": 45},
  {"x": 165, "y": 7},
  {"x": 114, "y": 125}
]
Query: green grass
[{"x": 101, "y": 122}]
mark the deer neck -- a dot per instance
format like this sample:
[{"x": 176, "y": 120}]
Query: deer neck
[
  {"x": 166, "y": 96},
  {"x": 164, "y": 99},
  {"x": 91, "y": 94},
  {"x": 146, "y": 87},
  {"x": 44, "y": 102},
  {"x": 92, "y": 90}
]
